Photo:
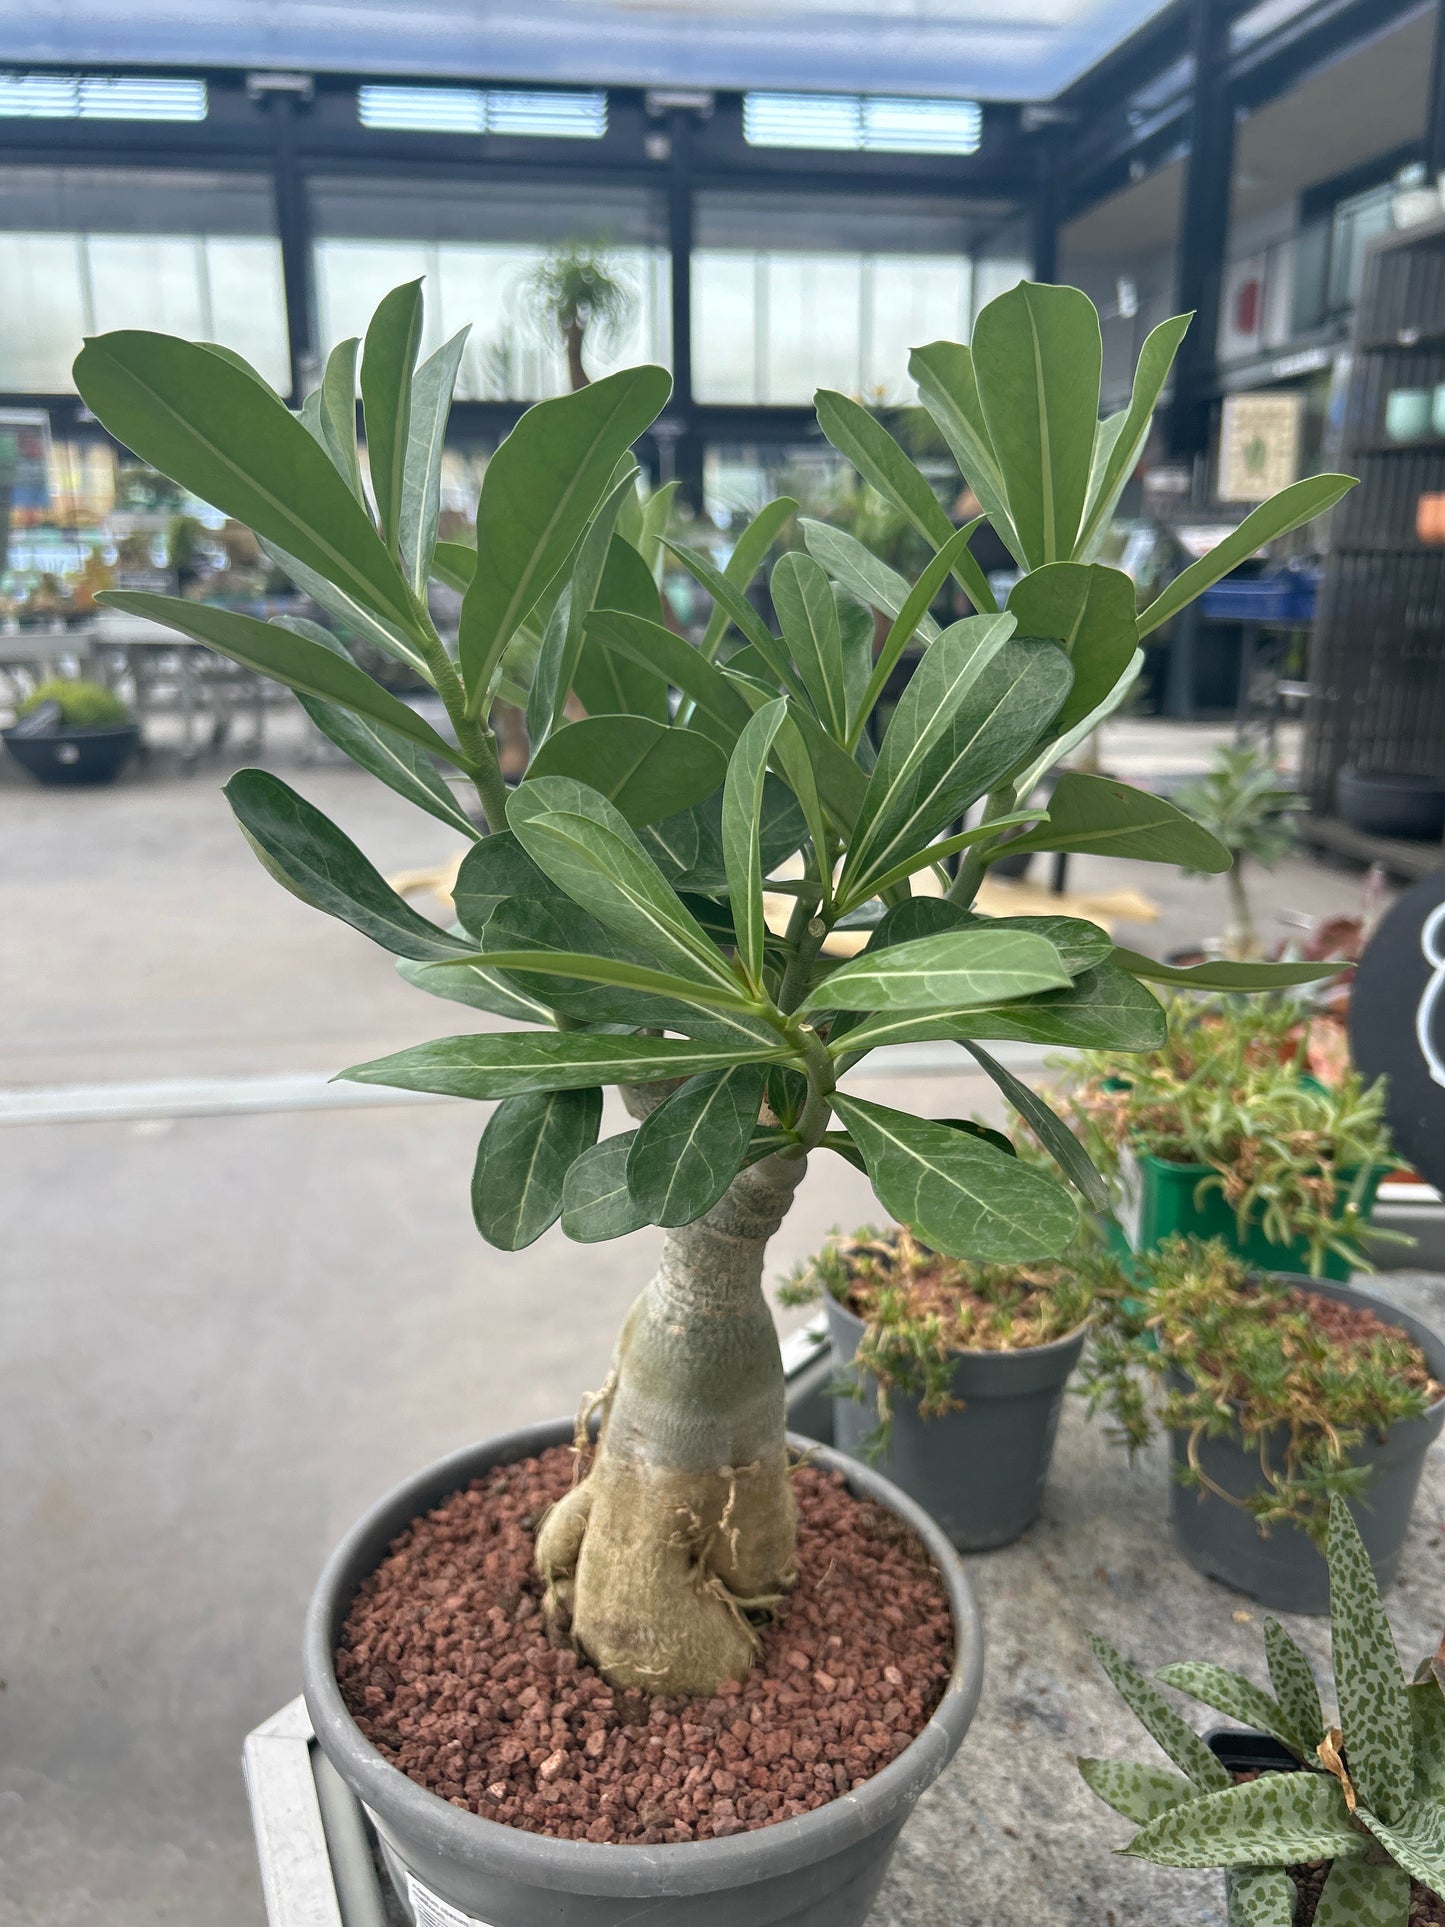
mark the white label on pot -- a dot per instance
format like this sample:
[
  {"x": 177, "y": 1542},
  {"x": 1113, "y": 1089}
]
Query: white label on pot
[
  {"x": 430, "y": 1910},
  {"x": 1129, "y": 1209}
]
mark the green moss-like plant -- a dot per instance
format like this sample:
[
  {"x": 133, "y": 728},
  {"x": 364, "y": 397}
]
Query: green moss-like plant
[{"x": 83, "y": 705}]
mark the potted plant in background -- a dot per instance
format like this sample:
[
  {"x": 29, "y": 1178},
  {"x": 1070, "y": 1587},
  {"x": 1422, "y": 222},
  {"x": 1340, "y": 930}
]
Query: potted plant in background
[
  {"x": 1223, "y": 1133},
  {"x": 1315, "y": 1826},
  {"x": 614, "y": 906},
  {"x": 576, "y": 292},
  {"x": 67, "y": 731},
  {"x": 950, "y": 1375},
  {"x": 1243, "y": 803},
  {"x": 1278, "y": 1394}
]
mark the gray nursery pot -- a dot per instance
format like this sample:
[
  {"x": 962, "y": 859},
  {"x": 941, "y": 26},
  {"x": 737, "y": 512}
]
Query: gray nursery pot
[
  {"x": 979, "y": 1472},
  {"x": 1286, "y": 1572},
  {"x": 822, "y": 1869}
]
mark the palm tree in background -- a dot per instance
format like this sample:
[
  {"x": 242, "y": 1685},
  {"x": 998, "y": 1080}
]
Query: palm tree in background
[{"x": 576, "y": 291}]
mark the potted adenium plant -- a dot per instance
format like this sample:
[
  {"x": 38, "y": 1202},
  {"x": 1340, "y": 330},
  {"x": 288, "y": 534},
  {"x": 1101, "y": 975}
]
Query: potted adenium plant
[
  {"x": 1315, "y": 1826},
  {"x": 1242, "y": 801},
  {"x": 1278, "y": 1394},
  {"x": 612, "y": 904}
]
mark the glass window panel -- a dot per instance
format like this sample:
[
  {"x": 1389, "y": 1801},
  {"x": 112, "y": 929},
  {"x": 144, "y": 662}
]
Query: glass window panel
[
  {"x": 147, "y": 281},
  {"x": 814, "y": 331},
  {"x": 42, "y": 311},
  {"x": 352, "y": 277},
  {"x": 247, "y": 301},
  {"x": 913, "y": 299},
  {"x": 726, "y": 335}
]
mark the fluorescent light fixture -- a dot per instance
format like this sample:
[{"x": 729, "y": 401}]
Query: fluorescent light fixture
[
  {"x": 863, "y": 123},
  {"x": 95, "y": 97},
  {"x": 555, "y": 114}
]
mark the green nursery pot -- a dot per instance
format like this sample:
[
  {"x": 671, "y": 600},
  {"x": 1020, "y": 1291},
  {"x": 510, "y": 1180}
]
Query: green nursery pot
[{"x": 1166, "y": 1204}]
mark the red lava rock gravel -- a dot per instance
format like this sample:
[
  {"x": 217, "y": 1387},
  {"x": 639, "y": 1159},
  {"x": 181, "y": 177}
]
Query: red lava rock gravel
[{"x": 445, "y": 1663}]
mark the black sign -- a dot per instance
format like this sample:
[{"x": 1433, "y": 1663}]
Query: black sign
[{"x": 1397, "y": 1022}]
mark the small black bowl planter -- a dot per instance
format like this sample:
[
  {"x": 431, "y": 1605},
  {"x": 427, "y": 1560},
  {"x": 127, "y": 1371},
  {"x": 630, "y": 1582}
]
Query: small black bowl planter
[
  {"x": 1286, "y": 1572},
  {"x": 823, "y": 1867},
  {"x": 1389, "y": 802},
  {"x": 980, "y": 1471},
  {"x": 73, "y": 755}
]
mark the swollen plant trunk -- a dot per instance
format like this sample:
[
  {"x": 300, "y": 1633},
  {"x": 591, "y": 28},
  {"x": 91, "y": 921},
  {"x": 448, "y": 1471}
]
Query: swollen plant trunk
[
  {"x": 574, "y": 334},
  {"x": 1241, "y": 942},
  {"x": 685, "y": 1521}
]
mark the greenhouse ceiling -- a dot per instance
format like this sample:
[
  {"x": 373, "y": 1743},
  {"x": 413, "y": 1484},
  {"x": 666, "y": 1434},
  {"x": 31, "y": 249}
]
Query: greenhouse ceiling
[{"x": 989, "y": 49}]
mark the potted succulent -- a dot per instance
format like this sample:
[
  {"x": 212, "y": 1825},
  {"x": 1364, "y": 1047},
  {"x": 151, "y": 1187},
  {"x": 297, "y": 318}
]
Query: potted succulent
[
  {"x": 1278, "y": 1394},
  {"x": 1243, "y": 802},
  {"x": 612, "y": 905},
  {"x": 1225, "y": 1133},
  {"x": 1314, "y": 1825},
  {"x": 66, "y": 731},
  {"x": 950, "y": 1374}
]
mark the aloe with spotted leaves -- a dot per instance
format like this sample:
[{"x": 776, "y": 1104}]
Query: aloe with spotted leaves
[
  {"x": 1370, "y": 1795},
  {"x": 613, "y": 903}
]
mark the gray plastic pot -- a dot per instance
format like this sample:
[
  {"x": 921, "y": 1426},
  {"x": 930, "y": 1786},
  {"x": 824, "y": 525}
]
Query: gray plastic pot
[
  {"x": 822, "y": 1869},
  {"x": 1285, "y": 1571},
  {"x": 979, "y": 1472}
]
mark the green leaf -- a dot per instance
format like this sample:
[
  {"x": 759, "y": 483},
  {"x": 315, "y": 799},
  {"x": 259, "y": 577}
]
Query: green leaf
[
  {"x": 1218, "y": 974},
  {"x": 563, "y": 636},
  {"x": 388, "y": 361},
  {"x": 1130, "y": 431},
  {"x": 1427, "y": 1722},
  {"x": 983, "y": 965},
  {"x": 656, "y": 515},
  {"x": 906, "y": 623},
  {"x": 477, "y": 987},
  {"x": 355, "y": 618},
  {"x": 589, "y": 850},
  {"x": 1098, "y": 814},
  {"x": 857, "y": 633},
  {"x": 809, "y": 760},
  {"x": 718, "y": 710},
  {"x": 859, "y": 570},
  {"x": 1140, "y": 1793},
  {"x": 935, "y": 853},
  {"x": 688, "y": 1151},
  {"x": 606, "y": 680},
  {"x": 455, "y": 563},
  {"x": 526, "y": 1151},
  {"x": 540, "y": 490},
  {"x": 1358, "y": 1893},
  {"x": 1178, "y": 1740},
  {"x": 492, "y": 870},
  {"x": 975, "y": 705},
  {"x": 315, "y": 861},
  {"x": 1103, "y": 1009},
  {"x": 391, "y": 757},
  {"x": 1369, "y": 1680},
  {"x": 293, "y": 659},
  {"x": 743, "y": 564},
  {"x": 1276, "y": 1820},
  {"x": 1055, "y": 752},
  {"x": 508, "y": 1063},
  {"x": 337, "y": 413},
  {"x": 1081, "y": 945},
  {"x": 596, "y": 1203},
  {"x": 211, "y": 427},
  {"x": 808, "y": 616},
  {"x": 948, "y": 386},
  {"x": 742, "y": 614},
  {"x": 1415, "y": 1839},
  {"x": 1037, "y": 354},
  {"x": 1293, "y": 1680},
  {"x": 431, "y": 407},
  {"x": 1089, "y": 612},
  {"x": 742, "y": 850},
  {"x": 1238, "y": 1699},
  {"x": 955, "y": 1190},
  {"x": 646, "y": 769},
  {"x": 1301, "y": 502},
  {"x": 1261, "y": 1897},
  {"x": 1050, "y": 1129}
]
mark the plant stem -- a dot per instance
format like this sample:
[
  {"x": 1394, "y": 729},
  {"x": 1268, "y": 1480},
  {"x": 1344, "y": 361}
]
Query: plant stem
[
  {"x": 964, "y": 887},
  {"x": 474, "y": 738},
  {"x": 806, "y": 932}
]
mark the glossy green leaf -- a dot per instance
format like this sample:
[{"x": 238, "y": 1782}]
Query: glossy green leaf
[
  {"x": 353, "y": 616},
  {"x": 610, "y": 682},
  {"x": 948, "y": 386},
  {"x": 749, "y": 554},
  {"x": 1140, "y": 1793},
  {"x": 1238, "y": 1699},
  {"x": 741, "y": 613},
  {"x": 1081, "y": 945},
  {"x": 455, "y": 563},
  {"x": 540, "y": 490},
  {"x": 588, "y": 849},
  {"x": 1123, "y": 447},
  {"x": 388, "y": 361},
  {"x": 656, "y": 516},
  {"x": 1103, "y": 1009},
  {"x": 290, "y": 658},
  {"x": 1220, "y": 974},
  {"x": 1178, "y": 1740},
  {"x": 857, "y": 633},
  {"x": 476, "y": 986},
  {"x": 1301, "y": 502},
  {"x": 506, "y": 1063},
  {"x": 392, "y": 758},
  {"x": 983, "y": 965},
  {"x": 1359, "y": 1893},
  {"x": 742, "y": 850},
  {"x": 955, "y": 1190},
  {"x": 690, "y": 1148},
  {"x": 317, "y": 862},
  {"x": 1261, "y": 1897},
  {"x": 859, "y": 570},
  {"x": 1054, "y": 752},
  {"x": 596, "y": 1203},
  {"x": 906, "y": 623},
  {"x": 527, "y": 1149},
  {"x": 808, "y": 758},
  {"x": 492, "y": 871},
  {"x": 808, "y": 617},
  {"x": 337, "y": 412},
  {"x": 505, "y": 950},
  {"x": 1089, "y": 612},
  {"x": 1278, "y": 1819},
  {"x": 718, "y": 710},
  {"x": 936, "y": 853},
  {"x": 1369, "y": 1680},
  {"x": 1037, "y": 355},
  {"x": 1295, "y": 1687},
  {"x": 209, "y": 426},
  {"x": 562, "y": 638},
  {"x": 1415, "y": 1840},
  {"x": 431, "y": 407},
  {"x": 1049, "y": 1128},
  {"x": 1095, "y": 813},
  {"x": 646, "y": 769},
  {"x": 238, "y": 360}
]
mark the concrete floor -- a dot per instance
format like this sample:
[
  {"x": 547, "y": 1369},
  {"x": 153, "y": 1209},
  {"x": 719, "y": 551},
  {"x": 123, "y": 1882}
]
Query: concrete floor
[{"x": 226, "y": 1333}]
